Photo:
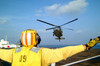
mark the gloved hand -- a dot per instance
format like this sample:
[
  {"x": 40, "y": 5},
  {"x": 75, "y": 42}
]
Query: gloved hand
[{"x": 92, "y": 43}]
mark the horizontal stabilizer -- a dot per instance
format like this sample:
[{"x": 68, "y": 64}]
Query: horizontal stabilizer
[{"x": 60, "y": 38}]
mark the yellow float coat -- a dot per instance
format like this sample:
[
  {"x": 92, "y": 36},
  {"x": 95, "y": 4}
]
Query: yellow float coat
[
  {"x": 48, "y": 56},
  {"x": 27, "y": 56}
]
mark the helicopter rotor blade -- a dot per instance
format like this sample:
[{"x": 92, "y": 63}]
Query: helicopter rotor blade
[
  {"x": 69, "y": 22},
  {"x": 46, "y": 22},
  {"x": 69, "y": 29},
  {"x": 50, "y": 28}
]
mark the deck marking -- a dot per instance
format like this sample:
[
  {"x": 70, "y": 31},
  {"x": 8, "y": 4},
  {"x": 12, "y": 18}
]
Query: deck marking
[{"x": 80, "y": 61}]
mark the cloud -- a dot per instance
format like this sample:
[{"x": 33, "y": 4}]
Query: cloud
[
  {"x": 52, "y": 7},
  {"x": 39, "y": 11},
  {"x": 3, "y": 20},
  {"x": 72, "y": 8},
  {"x": 79, "y": 31},
  {"x": 38, "y": 15}
]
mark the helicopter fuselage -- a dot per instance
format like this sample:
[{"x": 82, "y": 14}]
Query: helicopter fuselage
[
  {"x": 57, "y": 32},
  {"x": 57, "y": 29}
]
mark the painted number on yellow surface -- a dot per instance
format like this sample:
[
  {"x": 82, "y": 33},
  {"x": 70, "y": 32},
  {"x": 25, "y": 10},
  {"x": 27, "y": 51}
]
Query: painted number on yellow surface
[{"x": 23, "y": 58}]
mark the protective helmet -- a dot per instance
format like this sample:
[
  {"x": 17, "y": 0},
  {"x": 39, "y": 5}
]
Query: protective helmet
[{"x": 30, "y": 38}]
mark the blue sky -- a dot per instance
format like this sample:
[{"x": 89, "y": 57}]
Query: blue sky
[{"x": 19, "y": 15}]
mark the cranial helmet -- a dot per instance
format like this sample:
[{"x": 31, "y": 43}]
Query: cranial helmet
[{"x": 30, "y": 38}]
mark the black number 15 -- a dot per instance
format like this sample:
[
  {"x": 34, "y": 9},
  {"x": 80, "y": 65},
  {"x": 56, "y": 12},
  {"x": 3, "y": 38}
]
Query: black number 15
[{"x": 23, "y": 58}]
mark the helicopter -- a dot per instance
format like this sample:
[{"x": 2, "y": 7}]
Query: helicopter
[{"x": 57, "y": 31}]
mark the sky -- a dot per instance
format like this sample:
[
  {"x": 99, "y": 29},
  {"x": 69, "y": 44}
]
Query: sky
[{"x": 19, "y": 15}]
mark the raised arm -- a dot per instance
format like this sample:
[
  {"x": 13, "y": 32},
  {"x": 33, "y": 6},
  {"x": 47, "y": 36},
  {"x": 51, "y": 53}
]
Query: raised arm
[{"x": 54, "y": 55}]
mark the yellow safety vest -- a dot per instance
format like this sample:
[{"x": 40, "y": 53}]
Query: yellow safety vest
[{"x": 25, "y": 56}]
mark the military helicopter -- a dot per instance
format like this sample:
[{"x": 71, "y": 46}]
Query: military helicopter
[{"x": 57, "y": 31}]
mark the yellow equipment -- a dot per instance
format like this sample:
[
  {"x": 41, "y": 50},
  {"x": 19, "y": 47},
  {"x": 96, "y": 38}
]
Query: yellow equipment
[{"x": 30, "y": 38}]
